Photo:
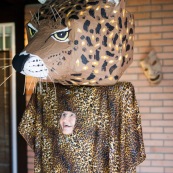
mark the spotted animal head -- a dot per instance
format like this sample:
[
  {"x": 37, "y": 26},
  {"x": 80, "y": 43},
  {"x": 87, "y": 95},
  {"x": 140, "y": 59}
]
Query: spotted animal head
[{"x": 78, "y": 42}]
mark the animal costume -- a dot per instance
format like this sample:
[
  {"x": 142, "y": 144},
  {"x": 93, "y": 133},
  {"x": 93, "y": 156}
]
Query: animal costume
[{"x": 82, "y": 47}]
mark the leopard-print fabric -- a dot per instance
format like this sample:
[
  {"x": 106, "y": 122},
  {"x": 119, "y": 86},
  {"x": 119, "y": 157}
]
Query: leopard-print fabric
[{"x": 107, "y": 137}]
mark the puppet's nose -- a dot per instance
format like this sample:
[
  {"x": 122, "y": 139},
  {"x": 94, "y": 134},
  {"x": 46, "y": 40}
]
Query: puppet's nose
[{"x": 18, "y": 62}]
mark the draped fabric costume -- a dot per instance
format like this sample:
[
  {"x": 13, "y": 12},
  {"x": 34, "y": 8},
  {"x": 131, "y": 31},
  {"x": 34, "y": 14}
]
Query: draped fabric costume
[{"x": 107, "y": 137}]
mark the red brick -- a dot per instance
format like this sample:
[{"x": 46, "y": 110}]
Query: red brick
[
  {"x": 168, "y": 129},
  {"x": 167, "y": 69},
  {"x": 161, "y": 123},
  {"x": 143, "y": 96},
  {"x": 167, "y": 35},
  {"x": 168, "y": 116},
  {"x": 168, "y": 103},
  {"x": 149, "y": 22},
  {"x": 141, "y": 43},
  {"x": 167, "y": 89},
  {"x": 153, "y": 89},
  {"x": 142, "y": 29},
  {"x": 163, "y": 163},
  {"x": 153, "y": 142},
  {"x": 145, "y": 123},
  {"x": 143, "y": 15},
  {"x": 162, "y": 110},
  {"x": 136, "y": 2},
  {"x": 160, "y": 150},
  {"x": 155, "y": 156},
  {"x": 150, "y": 103},
  {"x": 168, "y": 169},
  {"x": 162, "y": 42},
  {"x": 150, "y": 36},
  {"x": 162, "y": 136},
  {"x": 161, "y": 28},
  {"x": 146, "y": 163},
  {"x": 150, "y": 116},
  {"x": 162, "y": 96},
  {"x": 151, "y": 129},
  {"x": 161, "y": 1},
  {"x": 148, "y": 49},
  {"x": 161, "y": 14},
  {"x": 167, "y": 21},
  {"x": 167, "y": 76},
  {"x": 169, "y": 156},
  {"x": 152, "y": 169},
  {"x": 167, "y": 7},
  {"x": 168, "y": 49},
  {"x": 168, "y": 143}
]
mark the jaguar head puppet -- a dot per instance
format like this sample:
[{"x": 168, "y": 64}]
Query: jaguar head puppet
[{"x": 78, "y": 42}]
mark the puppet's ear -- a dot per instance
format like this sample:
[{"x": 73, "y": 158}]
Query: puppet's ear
[
  {"x": 114, "y": 1},
  {"x": 42, "y": 1}
]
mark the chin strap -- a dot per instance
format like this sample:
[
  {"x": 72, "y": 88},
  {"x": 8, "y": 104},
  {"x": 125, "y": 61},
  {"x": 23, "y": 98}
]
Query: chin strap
[{"x": 42, "y": 1}]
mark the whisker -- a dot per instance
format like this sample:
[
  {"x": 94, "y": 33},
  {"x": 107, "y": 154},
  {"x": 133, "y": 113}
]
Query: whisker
[
  {"x": 3, "y": 67},
  {"x": 6, "y": 80},
  {"x": 33, "y": 18},
  {"x": 58, "y": 15},
  {"x": 53, "y": 13},
  {"x": 30, "y": 83},
  {"x": 50, "y": 69}
]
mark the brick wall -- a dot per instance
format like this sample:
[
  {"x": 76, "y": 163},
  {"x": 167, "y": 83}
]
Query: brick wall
[{"x": 154, "y": 30}]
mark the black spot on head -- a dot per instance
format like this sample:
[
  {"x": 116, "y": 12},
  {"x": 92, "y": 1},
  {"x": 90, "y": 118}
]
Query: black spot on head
[
  {"x": 97, "y": 30},
  {"x": 123, "y": 61},
  {"x": 90, "y": 56},
  {"x": 124, "y": 38},
  {"x": 97, "y": 39},
  {"x": 89, "y": 43},
  {"x": 115, "y": 39},
  {"x": 104, "y": 65},
  {"x": 86, "y": 25},
  {"x": 92, "y": 13},
  {"x": 125, "y": 23},
  {"x": 112, "y": 68},
  {"x": 77, "y": 74},
  {"x": 76, "y": 42},
  {"x": 84, "y": 59},
  {"x": 63, "y": 22},
  {"x": 127, "y": 47},
  {"x": 67, "y": 10},
  {"x": 91, "y": 31},
  {"x": 116, "y": 77},
  {"x": 74, "y": 17},
  {"x": 93, "y": 3},
  {"x": 109, "y": 53},
  {"x": 131, "y": 31},
  {"x": 103, "y": 13},
  {"x": 81, "y": 1},
  {"x": 78, "y": 7},
  {"x": 110, "y": 27},
  {"x": 97, "y": 55},
  {"x": 91, "y": 76},
  {"x": 69, "y": 52},
  {"x": 84, "y": 49},
  {"x": 82, "y": 37},
  {"x": 120, "y": 22},
  {"x": 104, "y": 42}
]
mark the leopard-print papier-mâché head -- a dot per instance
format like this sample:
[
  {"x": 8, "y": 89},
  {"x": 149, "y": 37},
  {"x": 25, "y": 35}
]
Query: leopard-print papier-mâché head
[{"x": 78, "y": 42}]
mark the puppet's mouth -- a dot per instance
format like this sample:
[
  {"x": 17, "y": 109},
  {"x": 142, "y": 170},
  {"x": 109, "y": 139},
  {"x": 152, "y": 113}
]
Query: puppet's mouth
[{"x": 156, "y": 78}]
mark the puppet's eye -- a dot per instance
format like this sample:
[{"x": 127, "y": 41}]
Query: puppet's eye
[
  {"x": 32, "y": 30},
  {"x": 61, "y": 36}
]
